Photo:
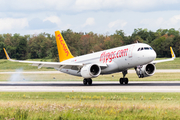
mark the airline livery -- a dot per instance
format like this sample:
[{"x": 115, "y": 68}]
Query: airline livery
[{"x": 139, "y": 56}]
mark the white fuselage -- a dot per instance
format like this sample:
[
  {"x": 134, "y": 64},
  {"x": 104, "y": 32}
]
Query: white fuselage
[{"x": 117, "y": 59}]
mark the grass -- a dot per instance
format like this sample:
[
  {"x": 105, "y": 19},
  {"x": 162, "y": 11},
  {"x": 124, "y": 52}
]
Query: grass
[
  {"x": 168, "y": 65},
  {"x": 6, "y": 65},
  {"x": 80, "y": 106}
]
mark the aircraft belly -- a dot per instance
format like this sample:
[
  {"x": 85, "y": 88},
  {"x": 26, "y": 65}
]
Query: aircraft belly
[
  {"x": 125, "y": 63},
  {"x": 112, "y": 67}
]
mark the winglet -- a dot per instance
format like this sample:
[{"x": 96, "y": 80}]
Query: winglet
[
  {"x": 165, "y": 60},
  {"x": 7, "y": 56},
  {"x": 172, "y": 53}
]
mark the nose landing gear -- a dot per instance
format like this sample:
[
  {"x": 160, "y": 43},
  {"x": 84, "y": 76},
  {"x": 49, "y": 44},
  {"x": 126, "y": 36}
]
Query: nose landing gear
[{"x": 124, "y": 80}]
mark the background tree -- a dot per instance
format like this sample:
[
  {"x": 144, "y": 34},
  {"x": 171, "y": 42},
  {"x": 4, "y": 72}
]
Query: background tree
[
  {"x": 21, "y": 49},
  {"x": 44, "y": 45},
  {"x": 2, "y": 45}
]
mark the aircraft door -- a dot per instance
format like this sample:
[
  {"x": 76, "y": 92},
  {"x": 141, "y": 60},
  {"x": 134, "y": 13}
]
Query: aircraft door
[{"x": 130, "y": 51}]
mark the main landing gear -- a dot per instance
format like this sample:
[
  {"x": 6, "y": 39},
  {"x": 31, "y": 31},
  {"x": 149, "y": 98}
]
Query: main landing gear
[
  {"x": 87, "y": 81},
  {"x": 124, "y": 80}
]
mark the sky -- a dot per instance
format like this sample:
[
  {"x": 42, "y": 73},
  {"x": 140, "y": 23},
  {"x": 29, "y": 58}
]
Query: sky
[{"x": 99, "y": 16}]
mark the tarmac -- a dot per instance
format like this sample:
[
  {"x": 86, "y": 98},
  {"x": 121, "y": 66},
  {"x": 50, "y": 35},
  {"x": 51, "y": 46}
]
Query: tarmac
[{"x": 137, "y": 86}]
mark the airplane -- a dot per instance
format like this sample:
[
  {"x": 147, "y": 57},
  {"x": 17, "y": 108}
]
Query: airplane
[{"x": 139, "y": 56}]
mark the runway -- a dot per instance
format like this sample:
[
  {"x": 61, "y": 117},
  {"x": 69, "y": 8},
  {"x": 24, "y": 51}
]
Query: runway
[{"x": 138, "y": 86}]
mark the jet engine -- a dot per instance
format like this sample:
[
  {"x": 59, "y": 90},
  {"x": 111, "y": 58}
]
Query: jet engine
[
  {"x": 90, "y": 71},
  {"x": 145, "y": 70}
]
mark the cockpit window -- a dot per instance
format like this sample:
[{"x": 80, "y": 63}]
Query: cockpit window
[
  {"x": 146, "y": 48},
  {"x": 142, "y": 48}
]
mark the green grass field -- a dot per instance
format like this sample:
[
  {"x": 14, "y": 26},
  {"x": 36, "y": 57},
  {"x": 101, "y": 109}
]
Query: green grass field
[
  {"x": 6, "y": 65},
  {"x": 89, "y": 106},
  {"x": 168, "y": 65}
]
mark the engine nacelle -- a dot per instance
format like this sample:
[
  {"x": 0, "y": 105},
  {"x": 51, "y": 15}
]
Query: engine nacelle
[
  {"x": 90, "y": 71},
  {"x": 146, "y": 70}
]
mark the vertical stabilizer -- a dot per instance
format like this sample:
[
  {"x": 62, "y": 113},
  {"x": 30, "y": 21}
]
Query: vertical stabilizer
[{"x": 63, "y": 50}]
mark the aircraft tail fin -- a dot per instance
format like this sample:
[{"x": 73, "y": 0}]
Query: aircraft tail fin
[{"x": 63, "y": 50}]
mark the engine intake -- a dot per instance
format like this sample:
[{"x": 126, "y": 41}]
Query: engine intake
[
  {"x": 145, "y": 70},
  {"x": 90, "y": 71}
]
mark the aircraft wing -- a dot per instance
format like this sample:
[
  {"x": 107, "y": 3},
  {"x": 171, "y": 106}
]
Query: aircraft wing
[
  {"x": 165, "y": 60},
  {"x": 58, "y": 65}
]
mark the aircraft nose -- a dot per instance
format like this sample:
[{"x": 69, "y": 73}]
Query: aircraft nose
[{"x": 152, "y": 55}]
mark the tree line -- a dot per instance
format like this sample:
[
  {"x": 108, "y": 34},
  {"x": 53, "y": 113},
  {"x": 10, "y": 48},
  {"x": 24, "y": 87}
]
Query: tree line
[{"x": 44, "y": 45}]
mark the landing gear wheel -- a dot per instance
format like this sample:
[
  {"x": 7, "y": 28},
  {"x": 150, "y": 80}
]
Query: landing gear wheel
[
  {"x": 121, "y": 80},
  {"x": 85, "y": 81},
  {"x": 89, "y": 81},
  {"x": 126, "y": 80},
  {"x": 141, "y": 75}
]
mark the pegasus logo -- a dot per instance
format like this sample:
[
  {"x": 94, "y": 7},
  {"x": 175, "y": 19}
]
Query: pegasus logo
[{"x": 63, "y": 44}]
